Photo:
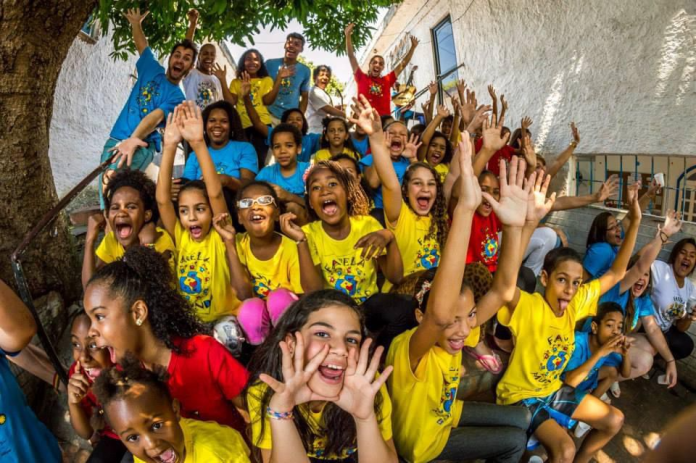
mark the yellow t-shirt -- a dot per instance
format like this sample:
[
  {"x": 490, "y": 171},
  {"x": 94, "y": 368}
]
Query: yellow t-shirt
[
  {"x": 210, "y": 442},
  {"x": 341, "y": 265},
  {"x": 110, "y": 250},
  {"x": 325, "y": 155},
  {"x": 203, "y": 275},
  {"x": 259, "y": 88},
  {"x": 425, "y": 404},
  {"x": 417, "y": 252},
  {"x": 265, "y": 440},
  {"x": 442, "y": 169},
  {"x": 280, "y": 271},
  {"x": 544, "y": 343}
]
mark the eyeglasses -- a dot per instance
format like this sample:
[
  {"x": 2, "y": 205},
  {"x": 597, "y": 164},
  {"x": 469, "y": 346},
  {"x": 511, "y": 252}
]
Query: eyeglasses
[{"x": 247, "y": 203}]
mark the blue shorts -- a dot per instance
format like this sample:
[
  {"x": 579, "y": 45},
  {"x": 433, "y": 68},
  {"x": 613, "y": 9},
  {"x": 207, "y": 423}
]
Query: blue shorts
[
  {"x": 141, "y": 159},
  {"x": 558, "y": 406}
]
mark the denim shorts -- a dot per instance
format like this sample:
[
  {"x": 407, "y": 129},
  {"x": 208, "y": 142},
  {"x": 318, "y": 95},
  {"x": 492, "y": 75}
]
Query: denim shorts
[
  {"x": 558, "y": 406},
  {"x": 142, "y": 158}
]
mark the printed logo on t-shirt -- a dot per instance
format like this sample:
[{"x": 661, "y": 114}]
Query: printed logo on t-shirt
[
  {"x": 345, "y": 274},
  {"x": 148, "y": 92},
  {"x": 555, "y": 359},
  {"x": 205, "y": 94},
  {"x": 448, "y": 396},
  {"x": 194, "y": 282},
  {"x": 675, "y": 310},
  {"x": 489, "y": 247},
  {"x": 375, "y": 89},
  {"x": 428, "y": 256},
  {"x": 262, "y": 286}
]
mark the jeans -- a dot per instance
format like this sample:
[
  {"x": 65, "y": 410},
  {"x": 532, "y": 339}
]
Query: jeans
[{"x": 492, "y": 432}]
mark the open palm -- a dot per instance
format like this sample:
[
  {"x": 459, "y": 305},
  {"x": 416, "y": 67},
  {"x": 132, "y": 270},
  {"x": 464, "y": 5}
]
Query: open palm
[
  {"x": 538, "y": 205},
  {"x": 511, "y": 210}
]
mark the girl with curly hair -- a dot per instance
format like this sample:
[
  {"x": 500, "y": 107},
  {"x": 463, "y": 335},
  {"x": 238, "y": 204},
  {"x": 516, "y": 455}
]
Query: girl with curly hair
[
  {"x": 415, "y": 210},
  {"x": 134, "y": 308}
]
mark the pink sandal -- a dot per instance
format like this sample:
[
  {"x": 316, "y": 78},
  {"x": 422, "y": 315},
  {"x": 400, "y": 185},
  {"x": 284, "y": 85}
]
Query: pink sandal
[{"x": 491, "y": 363}]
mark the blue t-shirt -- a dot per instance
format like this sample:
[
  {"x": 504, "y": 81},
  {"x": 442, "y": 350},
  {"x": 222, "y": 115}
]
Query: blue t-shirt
[
  {"x": 293, "y": 184},
  {"x": 310, "y": 145},
  {"x": 361, "y": 146},
  {"x": 23, "y": 438},
  {"x": 152, "y": 91},
  {"x": 643, "y": 306},
  {"x": 582, "y": 354},
  {"x": 599, "y": 258},
  {"x": 228, "y": 160},
  {"x": 400, "y": 167},
  {"x": 290, "y": 88}
]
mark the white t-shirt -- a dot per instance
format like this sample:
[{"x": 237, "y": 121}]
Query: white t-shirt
[
  {"x": 668, "y": 298},
  {"x": 202, "y": 88},
  {"x": 318, "y": 98}
]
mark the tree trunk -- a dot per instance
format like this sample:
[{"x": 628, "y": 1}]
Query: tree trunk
[{"x": 36, "y": 36}]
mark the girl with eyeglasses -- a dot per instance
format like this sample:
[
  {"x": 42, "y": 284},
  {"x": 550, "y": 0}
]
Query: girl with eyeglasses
[{"x": 267, "y": 272}]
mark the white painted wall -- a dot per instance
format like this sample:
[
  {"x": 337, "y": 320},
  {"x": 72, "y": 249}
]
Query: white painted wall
[{"x": 624, "y": 70}]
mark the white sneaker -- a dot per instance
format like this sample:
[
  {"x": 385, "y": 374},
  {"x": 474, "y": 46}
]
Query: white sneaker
[
  {"x": 535, "y": 459},
  {"x": 605, "y": 398},
  {"x": 615, "y": 389},
  {"x": 581, "y": 429}
]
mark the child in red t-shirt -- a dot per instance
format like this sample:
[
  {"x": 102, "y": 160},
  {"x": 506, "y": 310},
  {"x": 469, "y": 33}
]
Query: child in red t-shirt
[
  {"x": 85, "y": 410},
  {"x": 483, "y": 244}
]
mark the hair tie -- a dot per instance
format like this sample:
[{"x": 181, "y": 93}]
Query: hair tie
[
  {"x": 122, "y": 382},
  {"x": 425, "y": 287}
]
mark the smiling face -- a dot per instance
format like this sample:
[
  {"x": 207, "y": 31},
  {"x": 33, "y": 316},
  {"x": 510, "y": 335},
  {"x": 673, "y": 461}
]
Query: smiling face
[
  {"x": 447, "y": 126},
  {"x": 258, "y": 220},
  {"x": 206, "y": 58},
  {"x": 323, "y": 78},
  {"x": 399, "y": 138},
  {"x": 148, "y": 424},
  {"x": 218, "y": 128},
  {"x": 422, "y": 191},
  {"x": 195, "y": 213},
  {"x": 85, "y": 350},
  {"x": 376, "y": 66},
  {"x": 252, "y": 63},
  {"x": 293, "y": 47},
  {"x": 613, "y": 235},
  {"x": 295, "y": 118},
  {"x": 127, "y": 215},
  {"x": 610, "y": 327},
  {"x": 685, "y": 261},
  {"x": 562, "y": 285},
  {"x": 454, "y": 336},
  {"x": 489, "y": 184},
  {"x": 436, "y": 151},
  {"x": 327, "y": 197},
  {"x": 285, "y": 150},
  {"x": 641, "y": 285},
  {"x": 336, "y": 133},
  {"x": 339, "y": 327},
  {"x": 180, "y": 63}
]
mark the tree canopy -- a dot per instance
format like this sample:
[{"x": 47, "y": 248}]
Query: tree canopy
[{"x": 322, "y": 21}]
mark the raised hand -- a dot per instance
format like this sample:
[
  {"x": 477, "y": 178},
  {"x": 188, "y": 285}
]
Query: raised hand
[
  {"x": 294, "y": 390},
  {"x": 494, "y": 97},
  {"x": 528, "y": 150},
  {"x": 373, "y": 244},
  {"x": 368, "y": 117},
  {"x": 432, "y": 88},
  {"x": 193, "y": 15},
  {"x": 360, "y": 386},
  {"x": 134, "y": 17},
  {"x": 411, "y": 148},
  {"x": 223, "y": 224},
  {"x": 538, "y": 205},
  {"x": 504, "y": 106},
  {"x": 461, "y": 87},
  {"x": 480, "y": 116},
  {"x": 512, "y": 208},
  {"x": 672, "y": 225},
  {"x": 190, "y": 122},
  {"x": 172, "y": 135},
  {"x": 414, "y": 41},
  {"x": 95, "y": 223},
  {"x": 608, "y": 188},
  {"x": 349, "y": 29},
  {"x": 493, "y": 138},
  {"x": 468, "y": 107},
  {"x": 654, "y": 188},
  {"x": 290, "y": 228},
  {"x": 245, "y": 85},
  {"x": 78, "y": 385},
  {"x": 469, "y": 189},
  {"x": 442, "y": 111},
  {"x": 221, "y": 73},
  {"x": 576, "y": 134},
  {"x": 526, "y": 123},
  {"x": 632, "y": 201},
  {"x": 148, "y": 234}
]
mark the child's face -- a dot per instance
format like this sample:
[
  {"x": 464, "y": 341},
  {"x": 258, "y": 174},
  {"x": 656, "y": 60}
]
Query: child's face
[
  {"x": 562, "y": 285},
  {"x": 112, "y": 327},
  {"x": 490, "y": 185},
  {"x": 399, "y": 135},
  {"x": 453, "y": 337},
  {"x": 613, "y": 236},
  {"x": 84, "y": 349},
  {"x": 685, "y": 261},
  {"x": 610, "y": 327},
  {"x": 252, "y": 63},
  {"x": 148, "y": 425},
  {"x": 336, "y": 134},
  {"x": 127, "y": 215},
  {"x": 422, "y": 191},
  {"x": 258, "y": 220},
  {"x": 285, "y": 150},
  {"x": 327, "y": 197},
  {"x": 218, "y": 127},
  {"x": 339, "y": 327},
  {"x": 195, "y": 213},
  {"x": 641, "y": 284},
  {"x": 447, "y": 127},
  {"x": 206, "y": 58},
  {"x": 295, "y": 118},
  {"x": 436, "y": 151},
  {"x": 349, "y": 166}
]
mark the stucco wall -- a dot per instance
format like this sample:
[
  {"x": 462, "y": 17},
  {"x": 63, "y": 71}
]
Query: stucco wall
[{"x": 624, "y": 70}]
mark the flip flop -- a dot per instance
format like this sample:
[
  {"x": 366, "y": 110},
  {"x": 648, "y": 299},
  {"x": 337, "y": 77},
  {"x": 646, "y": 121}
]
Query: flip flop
[
  {"x": 615, "y": 389},
  {"x": 491, "y": 363}
]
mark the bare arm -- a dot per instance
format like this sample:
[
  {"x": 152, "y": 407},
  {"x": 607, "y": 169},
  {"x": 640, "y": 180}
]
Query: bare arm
[
  {"x": 562, "y": 158},
  {"x": 135, "y": 19},
  {"x": 90, "y": 261},
  {"x": 442, "y": 112},
  {"x": 239, "y": 276},
  {"x": 310, "y": 279},
  {"x": 607, "y": 189},
  {"x": 304, "y": 101},
  {"x": 392, "y": 265},
  {"x": 644, "y": 200},
  {"x": 172, "y": 137},
  {"x": 407, "y": 59},
  {"x": 221, "y": 74},
  {"x": 577, "y": 376},
  {"x": 349, "y": 48},
  {"x": 35, "y": 360},
  {"x": 17, "y": 326},
  {"x": 371, "y": 176},
  {"x": 193, "y": 21},
  {"x": 270, "y": 97}
]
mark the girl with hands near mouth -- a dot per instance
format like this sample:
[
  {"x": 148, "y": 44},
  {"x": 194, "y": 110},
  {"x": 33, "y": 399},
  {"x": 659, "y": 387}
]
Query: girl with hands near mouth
[{"x": 315, "y": 392}]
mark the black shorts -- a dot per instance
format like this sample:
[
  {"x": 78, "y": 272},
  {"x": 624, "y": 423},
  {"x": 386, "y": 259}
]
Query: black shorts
[{"x": 558, "y": 406}]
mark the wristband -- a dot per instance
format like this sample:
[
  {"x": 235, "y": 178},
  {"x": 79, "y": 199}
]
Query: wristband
[
  {"x": 278, "y": 415},
  {"x": 665, "y": 238},
  {"x": 670, "y": 361},
  {"x": 303, "y": 240}
]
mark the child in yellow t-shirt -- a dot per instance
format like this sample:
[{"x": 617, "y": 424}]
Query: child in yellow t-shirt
[
  {"x": 132, "y": 214},
  {"x": 347, "y": 246},
  {"x": 202, "y": 272},
  {"x": 141, "y": 411},
  {"x": 420, "y": 223},
  {"x": 427, "y": 359},
  {"x": 314, "y": 390},
  {"x": 336, "y": 140},
  {"x": 544, "y": 331}
]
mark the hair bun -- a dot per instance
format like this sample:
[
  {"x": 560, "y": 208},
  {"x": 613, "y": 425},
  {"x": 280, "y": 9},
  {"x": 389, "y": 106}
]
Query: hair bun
[{"x": 147, "y": 263}]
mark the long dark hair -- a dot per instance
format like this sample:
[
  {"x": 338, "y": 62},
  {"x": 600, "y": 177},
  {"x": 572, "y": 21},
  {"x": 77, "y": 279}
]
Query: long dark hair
[
  {"x": 598, "y": 229},
  {"x": 357, "y": 201},
  {"x": 338, "y": 426},
  {"x": 346, "y": 144},
  {"x": 438, "y": 224},
  {"x": 262, "y": 72},
  {"x": 236, "y": 129},
  {"x": 678, "y": 248},
  {"x": 369, "y": 191},
  {"x": 144, "y": 275},
  {"x": 631, "y": 303},
  {"x": 286, "y": 114},
  {"x": 449, "y": 152}
]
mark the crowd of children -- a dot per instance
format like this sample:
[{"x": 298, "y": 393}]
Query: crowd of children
[{"x": 237, "y": 312}]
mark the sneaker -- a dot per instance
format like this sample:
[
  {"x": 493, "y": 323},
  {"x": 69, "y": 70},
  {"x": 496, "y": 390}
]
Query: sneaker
[
  {"x": 228, "y": 332},
  {"x": 532, "y": 443},
  {"x": 581, "y": 429},
  {"x": 615, "y": 389},
  {"x": 605, "y": 398},
  {"x": 535, "y": 459}
]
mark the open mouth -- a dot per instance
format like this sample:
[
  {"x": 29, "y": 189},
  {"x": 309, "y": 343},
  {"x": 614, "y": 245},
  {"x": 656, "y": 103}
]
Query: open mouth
[
  {"x": 423, "y": 202},
  {"x": 486, "y": 207},
  {"x": 257, "y": 218},
  {"x": 435, "y": 158},
  {"x": 196, "y": 231},
  {"x": 329, "y": 207},
  {"x": 685, "y": 266},
  {"x": 124, "y": 230},
  {"x": 332, "y": 374},
  {"x": 92, "y": 373},
  {"x": 177, "y": 69},
  {"x": 456, "y": 344},
  {"x": 168, "y": 456},
  {"x": 562, "y": 306},
  {"x": 112, "y": 353},
  {"x": 396, "y": 145},
  {"x": 217, "y": 133}
]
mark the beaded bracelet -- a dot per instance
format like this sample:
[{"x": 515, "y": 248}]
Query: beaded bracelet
[
  {"x": 665, "y": 239},
  {"x": 279, "y": 415}
]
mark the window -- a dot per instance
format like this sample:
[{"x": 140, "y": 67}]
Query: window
[
  {"x": 445, "y": 56},
  {"x": 90, "y": 30}
]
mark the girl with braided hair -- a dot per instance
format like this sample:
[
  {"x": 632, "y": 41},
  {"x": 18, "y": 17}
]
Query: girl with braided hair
[{"x": 134, "y": 308}]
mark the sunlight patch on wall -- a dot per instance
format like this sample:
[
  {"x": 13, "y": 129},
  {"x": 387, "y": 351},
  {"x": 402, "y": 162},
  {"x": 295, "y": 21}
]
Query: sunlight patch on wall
[{"x": 678, "y": 50}]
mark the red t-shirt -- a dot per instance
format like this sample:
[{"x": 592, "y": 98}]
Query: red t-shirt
[
  {"x": 506, "y": 152},
  {"x": 205, "y": 377},
  {"x": 90, "y": 405},
  {"x": 377, "y": 90},
  {"x": 483, "y": 243}
]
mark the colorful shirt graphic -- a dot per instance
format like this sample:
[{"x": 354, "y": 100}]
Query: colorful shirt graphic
[
  {"x": 291, "y": 88},
  {"x": 483, "y": 245},
  {"x": 202, "y": 88},
  {"x": 260, "y": 87},
  {"x": 376, "y": 90}
]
